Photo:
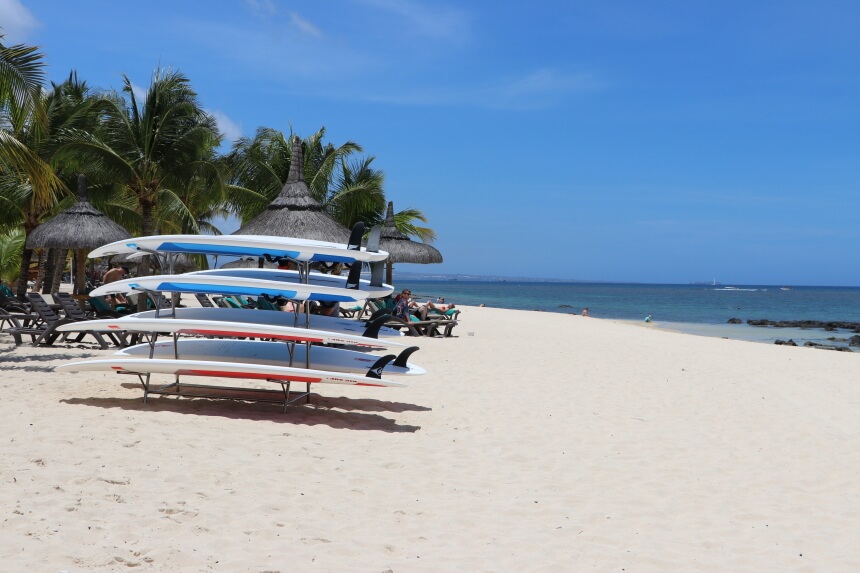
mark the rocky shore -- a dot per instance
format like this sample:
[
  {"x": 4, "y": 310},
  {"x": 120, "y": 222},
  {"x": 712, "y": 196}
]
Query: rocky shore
[{"x": 829, "y": 325}]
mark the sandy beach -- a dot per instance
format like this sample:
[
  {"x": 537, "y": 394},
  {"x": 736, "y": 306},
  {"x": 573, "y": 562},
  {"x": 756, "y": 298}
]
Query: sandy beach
[{"x": 542, "y": 442}]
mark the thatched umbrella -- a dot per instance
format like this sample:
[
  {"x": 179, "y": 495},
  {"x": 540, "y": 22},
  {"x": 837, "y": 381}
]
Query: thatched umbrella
[
  {"x": 402, "y": 249},
  {"x": 182, "y": 262},
  {"x": 248, "y": 263},
  {"x": 294, "y": 212},
  {"x": 81, "y": 227}
]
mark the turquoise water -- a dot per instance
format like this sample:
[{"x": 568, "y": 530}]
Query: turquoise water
[{"x": 698, "y": 309}]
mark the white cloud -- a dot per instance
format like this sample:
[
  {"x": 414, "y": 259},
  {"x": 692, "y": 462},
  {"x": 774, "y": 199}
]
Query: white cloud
[
  {"x": 435, "y": 22},
  {"x": 263, "y": 8},
  {"x": 305, "y": 25},
  {"x": 535, "y": 90},
  {"x": 16, "y": 22},
  {"x": 231, "y": 130}
]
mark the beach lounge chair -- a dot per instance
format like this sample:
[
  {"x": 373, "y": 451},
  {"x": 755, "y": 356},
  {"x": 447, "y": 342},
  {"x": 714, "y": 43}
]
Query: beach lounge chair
[
  {"x": 10, "y": 303},
  {"x": 102, "y": 309},
  {"x": 70, "y": 306},
  {"x": 43, "y": 330},
  {"x": 415, "y": 326},
  {"x": 14, "y": 320},
  {"x": 352, "y": 311},
  {"x": 204, "y": 300},
  {"x": 73, "y": 311},
  {"x": 263, "y": 304}
]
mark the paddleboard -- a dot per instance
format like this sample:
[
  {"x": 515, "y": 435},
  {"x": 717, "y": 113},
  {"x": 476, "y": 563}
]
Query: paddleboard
[
  {"x": 270, "y": 317},
  {"x": 271, "y": 353},
  {"x": 227, "y": 329},
  {"x": 242, "y": 245},
  {"x": 319, "y": 279},
  {"x": 225, "y": 285},
  {"x": 225, "y": 370}
]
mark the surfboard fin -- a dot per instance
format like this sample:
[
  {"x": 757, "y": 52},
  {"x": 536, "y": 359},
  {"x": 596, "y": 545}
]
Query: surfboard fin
[
  {"x": 404, "y": 356},
  {"x": 354, "y": 278},
  {"x": 373, "y": 239},
  {"x": 355, "y": 237},
  {"x": 376, "y": 370},
  {"x": 374, "y": 324},
  {"x": 377, "y": 313}
]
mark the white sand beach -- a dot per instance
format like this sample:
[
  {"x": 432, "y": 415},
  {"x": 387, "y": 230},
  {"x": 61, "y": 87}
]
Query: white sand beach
[{"x": 543, "y": 442}]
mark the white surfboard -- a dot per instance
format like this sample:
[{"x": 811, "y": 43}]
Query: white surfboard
[
  {"x": 270, "y": 317},
  {"x": 214, "y": 284},
  {"x": 228, "y": 329},
  {"x": 223, "y": 370},
  {"x": 272, "y": 353},
  {"x": 242, "y": 245},
  {"x": 320, "y": 279}
]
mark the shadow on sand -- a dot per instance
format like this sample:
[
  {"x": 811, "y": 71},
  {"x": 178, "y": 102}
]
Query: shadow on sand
[{"x": 337, "y": 412}]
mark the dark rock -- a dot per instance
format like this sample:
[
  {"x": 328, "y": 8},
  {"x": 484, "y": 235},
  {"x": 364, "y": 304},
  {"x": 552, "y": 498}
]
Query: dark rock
[
  {"x": 824, "y": 324},
  {"x": 811, "y": 344},
  {"x": 735, "y": 321},
  {"x": 788, "y": 342},
  {"x": 854, "y": 341}
]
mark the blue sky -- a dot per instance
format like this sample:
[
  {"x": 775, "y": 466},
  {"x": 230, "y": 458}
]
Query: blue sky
[{"x": 663, "y": 141}]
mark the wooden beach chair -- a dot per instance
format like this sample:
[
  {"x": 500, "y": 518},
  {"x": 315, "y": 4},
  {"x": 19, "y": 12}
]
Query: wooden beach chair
[
  {"x": 12, "y": 304},
  {"x": 204, "y": 300},
  {"x": 74, "y": 312},
  {"x": 15, "y": 320},
  {"x": 102, "y": 308},
  {"x": 43, "y": 331}
]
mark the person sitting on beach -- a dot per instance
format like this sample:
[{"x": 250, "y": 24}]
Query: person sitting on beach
[
  {"x": 585, "y": 311},
  {"x": 326, "y": 308},
  {"x": 402, "y": 304},
  {"x": 113, "y": 275}
]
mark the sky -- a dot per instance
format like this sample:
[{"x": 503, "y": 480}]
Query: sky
[{"x": 660, "y": 142}]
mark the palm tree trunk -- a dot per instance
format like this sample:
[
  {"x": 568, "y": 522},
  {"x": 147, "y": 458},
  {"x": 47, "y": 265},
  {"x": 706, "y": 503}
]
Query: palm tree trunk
[
  {"x": 146, "y": 208},
  {"x": 59, "y": 269},
  {"x": 23, "y": 275},
  {"x": 80, "y": 271},
  {"x": 46, "y": 270}
]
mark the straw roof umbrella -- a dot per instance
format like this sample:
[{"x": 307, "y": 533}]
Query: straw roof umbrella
[
  {"x": 294, "y": 212},
  {"x": 182, "y": 263},
  {"x": 81, "y": 227},
  {"x": 248, "y": 263},
  {"x": 402, "y": 249}
]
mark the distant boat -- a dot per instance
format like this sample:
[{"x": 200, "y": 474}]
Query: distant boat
[
  {"x": 784, "y": 288},
  {"x": 730, "y": 288}
]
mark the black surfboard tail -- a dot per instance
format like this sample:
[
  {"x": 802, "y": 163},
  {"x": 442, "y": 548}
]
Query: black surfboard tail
[
  {"x": 354, "y": 278},
  {"x": 404, "y": 356},
  {"x": 355, "y": 237},
  {"x": 373, "y": 325},
  {"x": 375, "y": 371}
]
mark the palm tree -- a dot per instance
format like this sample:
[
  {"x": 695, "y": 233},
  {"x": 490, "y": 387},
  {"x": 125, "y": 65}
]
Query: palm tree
[
  {"x": 348, "y": 188},
  {"x": 152, "y": 150},
  {"x": 26, "y": 198},
  {"x": 21, "y": 77},
  {"x": 11, "y": 245}
]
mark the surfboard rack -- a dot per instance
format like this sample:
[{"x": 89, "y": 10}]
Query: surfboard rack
[{"x": 285, "y": 396}]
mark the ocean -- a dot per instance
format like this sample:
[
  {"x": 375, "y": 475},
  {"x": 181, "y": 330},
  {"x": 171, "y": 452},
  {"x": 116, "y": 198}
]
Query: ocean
[{"x": 695, "y": 309}]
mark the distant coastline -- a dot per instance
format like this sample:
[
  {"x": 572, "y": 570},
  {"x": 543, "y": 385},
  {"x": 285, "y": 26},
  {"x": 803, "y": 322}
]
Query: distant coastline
[{"x": 402, "y": 276}]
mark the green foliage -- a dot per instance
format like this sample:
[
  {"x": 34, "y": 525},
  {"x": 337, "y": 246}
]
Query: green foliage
[{"x": 11, "y": 247}]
